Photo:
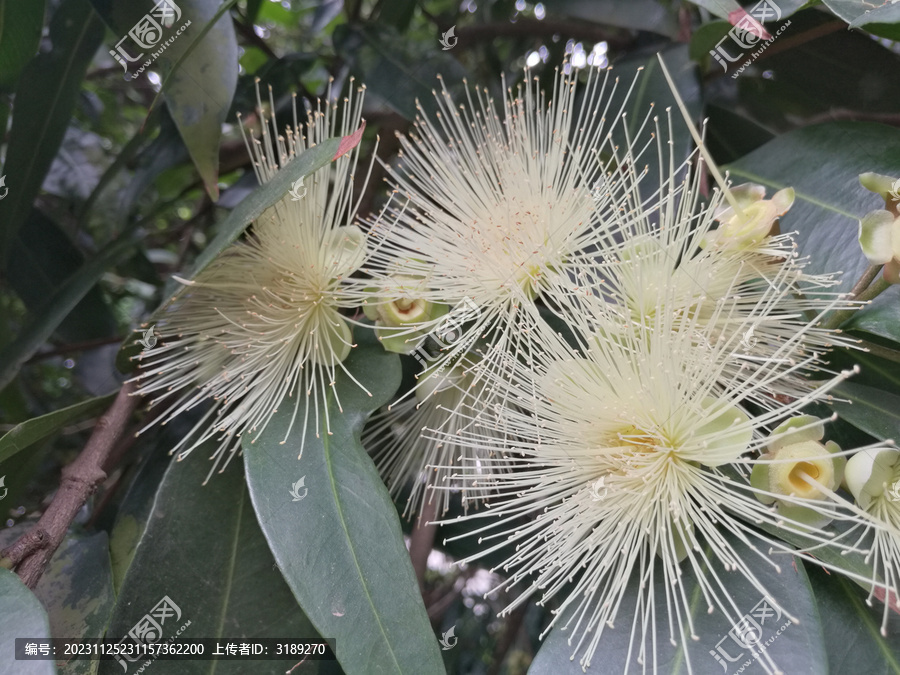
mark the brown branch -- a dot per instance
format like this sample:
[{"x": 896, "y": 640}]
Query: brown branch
[
  {"x": 508, "y": 638},
  {"x": 30, "y": 554}
]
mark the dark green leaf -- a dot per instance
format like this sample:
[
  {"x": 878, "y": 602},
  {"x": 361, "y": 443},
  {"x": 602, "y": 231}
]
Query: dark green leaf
[
  {"x": 201, "y": 76},
  {"x": 798, "y": 649},
  {"x": 22, "y": 616},
  {"x": 42, "y": 259},
  {"x": 396, "y": 70},
  {"x": 60, "y": 304},
  {"x": 822, "y": 163},
  {"x": 345, "y": 529},
  {"x": 875, "y": 411},
  {"x": 203, "y": 549},
  {"x": 20, "y": 34},
  {"x": 77, "y": 591},
  {"x": 199, "y": 91},
  {"x": 852, "y": 629},
  {"x": 37, "y": 429},
  {"x": 649, "y": 15},
  {"x": 42, "y": 112},
  {"x": 881, "y": 20}
]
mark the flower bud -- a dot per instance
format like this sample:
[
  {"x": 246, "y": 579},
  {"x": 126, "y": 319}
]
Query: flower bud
[
  {"x": 879, "y": 238},
  {"x": 870, "y": 472},
  {"x": 757, "y": 220},
  {"x": 886, "y": 187}
]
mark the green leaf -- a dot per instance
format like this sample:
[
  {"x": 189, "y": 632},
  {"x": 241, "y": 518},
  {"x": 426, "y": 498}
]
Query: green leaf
[
  {"x": 340, "y": 546},
  {"x": 42, "y": 112},
  {"x": 201, "y": 76},
  {"x": 852, "y": 629},
  {"x": 881, "y": 20},
  {"x": 253, "y": 206},
  {"x": 822, "y": 164},
  {"x": 203, "y": 549},
  {"x": 875, "y": 411},
  {"x": 198, "y": 92},
  {"x": 77, "y": 591},
  {"x": 42, "y": 259},
  {"x": 22, "y": 616},
  {"x": 798, "y": 649},
  {"x": 20, "y": 34},
  {"x": 397, "y": 70},
  {"x": 28, "y": 433},
  {"x": 70, "y": 293}
]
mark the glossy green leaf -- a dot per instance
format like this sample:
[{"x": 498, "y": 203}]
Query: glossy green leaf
[
  {"x": 22, "y": 616},
  {"x": 203, "y": 549},
  {"x": 822, "y": 163},
  {"x": 199, "y": 91},
  {"x": 881, "y": 20},
  {"x": 42, "y": 112},
  {"x": 799, "y": 648},
  {"x": 875, "y": 411},
  {"x": 20, "y": 34},
  {"x": 852, "y": 629},
  {"x": 70, "y": 293},
  {"x": 344, "y": 528},
  {"x": 200, "y": 78},
  {"x": 31, "y": 431}
]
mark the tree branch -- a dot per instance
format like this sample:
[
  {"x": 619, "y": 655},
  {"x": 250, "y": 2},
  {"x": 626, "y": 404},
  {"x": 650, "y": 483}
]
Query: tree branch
[{"x": 30, "y": 554}]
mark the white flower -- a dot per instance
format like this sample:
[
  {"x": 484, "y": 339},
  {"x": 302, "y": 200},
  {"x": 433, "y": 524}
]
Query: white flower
[
  {"x": 499, "y": 203},
  {"x": 632, "y": 449},
  {"x": 662, "y": 262},
  {"x": 262, "y": 326}
]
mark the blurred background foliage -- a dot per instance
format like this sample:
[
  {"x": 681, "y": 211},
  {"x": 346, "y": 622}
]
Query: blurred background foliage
[{"x": 116, "y": 182}]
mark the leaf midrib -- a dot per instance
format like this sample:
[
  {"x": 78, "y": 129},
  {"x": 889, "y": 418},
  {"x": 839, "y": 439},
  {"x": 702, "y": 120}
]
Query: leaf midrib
[
  {"x": 326, "y": 446},
  {"x": 229, "y": 577}
]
